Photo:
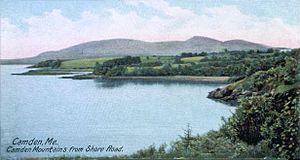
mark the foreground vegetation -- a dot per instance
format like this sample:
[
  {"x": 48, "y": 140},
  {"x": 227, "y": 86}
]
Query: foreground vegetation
[
  {"x": 264, "y": 87},
  {"x": 265, "y": 124}
]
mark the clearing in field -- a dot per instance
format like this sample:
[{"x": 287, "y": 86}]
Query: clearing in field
[
  {"x": 192, "y": 59},
  {"x": 83, "y": 63}
]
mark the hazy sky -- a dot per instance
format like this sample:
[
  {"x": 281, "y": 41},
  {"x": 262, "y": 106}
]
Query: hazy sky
[{"x": 31, "y": 27}]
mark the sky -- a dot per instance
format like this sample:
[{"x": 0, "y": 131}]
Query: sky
[{"x": 30, "y": 27}]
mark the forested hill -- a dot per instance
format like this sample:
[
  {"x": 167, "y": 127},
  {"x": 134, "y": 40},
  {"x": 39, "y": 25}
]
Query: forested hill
[{"x": 125, "y": 47}]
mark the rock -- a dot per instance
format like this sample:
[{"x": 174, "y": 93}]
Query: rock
[{"x": 219, "y": 93}]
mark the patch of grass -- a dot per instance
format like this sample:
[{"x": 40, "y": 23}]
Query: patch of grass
[
  {"x": 83, "y": 63},
  {"x": 284, "y": 88},
  {"x": 234, "y": 85},
  {"x": 158, "y": 67},
  {"x": 182, "y": 65},
  {"x": 192, "y": 59},
  {"x": 130, "y": 69},
  {"x": 266, "y": 54}
]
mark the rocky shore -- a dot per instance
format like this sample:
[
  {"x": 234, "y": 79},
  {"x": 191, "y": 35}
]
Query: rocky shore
[{"x": 230, "y": 95}]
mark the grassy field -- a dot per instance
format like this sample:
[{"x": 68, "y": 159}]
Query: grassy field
[
  {"x": 83, "y": 63},
  {"x": 192, "y": 59}
]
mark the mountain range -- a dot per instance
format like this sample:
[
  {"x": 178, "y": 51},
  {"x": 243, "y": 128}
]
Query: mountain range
[{"x": 122, "y": 47}]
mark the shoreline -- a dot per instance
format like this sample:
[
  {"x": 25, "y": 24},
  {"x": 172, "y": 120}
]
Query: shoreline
[
  {"x": 153, "y": 78},
  {"x": 173, "y": 78}
]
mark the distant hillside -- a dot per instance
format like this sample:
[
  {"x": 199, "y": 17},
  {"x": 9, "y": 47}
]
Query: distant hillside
[{"x": 122, "y": 47}]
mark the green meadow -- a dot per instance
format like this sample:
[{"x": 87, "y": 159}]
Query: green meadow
[{"x": 83, "y": 63}]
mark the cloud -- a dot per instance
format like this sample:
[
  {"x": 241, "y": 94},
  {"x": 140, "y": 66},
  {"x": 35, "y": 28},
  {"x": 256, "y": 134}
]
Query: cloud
[
  {"x": 54, "y": 31},
  {"x": 166, "y": 8}
]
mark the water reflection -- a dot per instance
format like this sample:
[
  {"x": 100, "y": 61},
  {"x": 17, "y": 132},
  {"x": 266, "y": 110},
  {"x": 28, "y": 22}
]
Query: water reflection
[{"x": 115, "y": 83}]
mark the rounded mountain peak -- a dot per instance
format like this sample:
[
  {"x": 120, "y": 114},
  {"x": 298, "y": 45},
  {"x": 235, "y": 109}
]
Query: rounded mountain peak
[{"x": 202, "y": 39}]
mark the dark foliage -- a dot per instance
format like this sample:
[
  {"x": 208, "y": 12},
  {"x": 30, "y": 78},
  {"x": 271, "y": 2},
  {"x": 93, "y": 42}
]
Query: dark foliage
[
  {"x": 48, "y": 63},
  {"x": 116, "y": 67},
  {"x": 190, "y": 54}
]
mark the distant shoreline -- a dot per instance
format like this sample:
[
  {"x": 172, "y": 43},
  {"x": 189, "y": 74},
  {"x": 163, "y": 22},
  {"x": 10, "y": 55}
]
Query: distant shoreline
[
  {"x": 173, "y": 78},
  {"x": 223, "y": 79}
]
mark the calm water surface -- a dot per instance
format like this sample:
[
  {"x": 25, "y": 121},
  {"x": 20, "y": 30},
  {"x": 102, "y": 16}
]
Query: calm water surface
[{"x": 83, "y": 112}]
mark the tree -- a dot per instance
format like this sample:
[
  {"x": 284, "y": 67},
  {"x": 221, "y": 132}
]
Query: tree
[
  {"x": 270, "y": 50},
  {"x": 225, "y": 50},
  {"x": 187, "y": 139},
  {"x": 203, "y": 54}
]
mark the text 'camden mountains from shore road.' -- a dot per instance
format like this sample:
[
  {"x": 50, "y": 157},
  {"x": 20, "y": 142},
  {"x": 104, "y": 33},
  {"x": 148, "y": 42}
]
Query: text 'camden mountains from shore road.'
[{"x": 51, "y": 145}]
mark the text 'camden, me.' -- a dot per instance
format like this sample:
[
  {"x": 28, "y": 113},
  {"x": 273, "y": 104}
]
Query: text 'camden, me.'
[{"x": 51, "y": 145}]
